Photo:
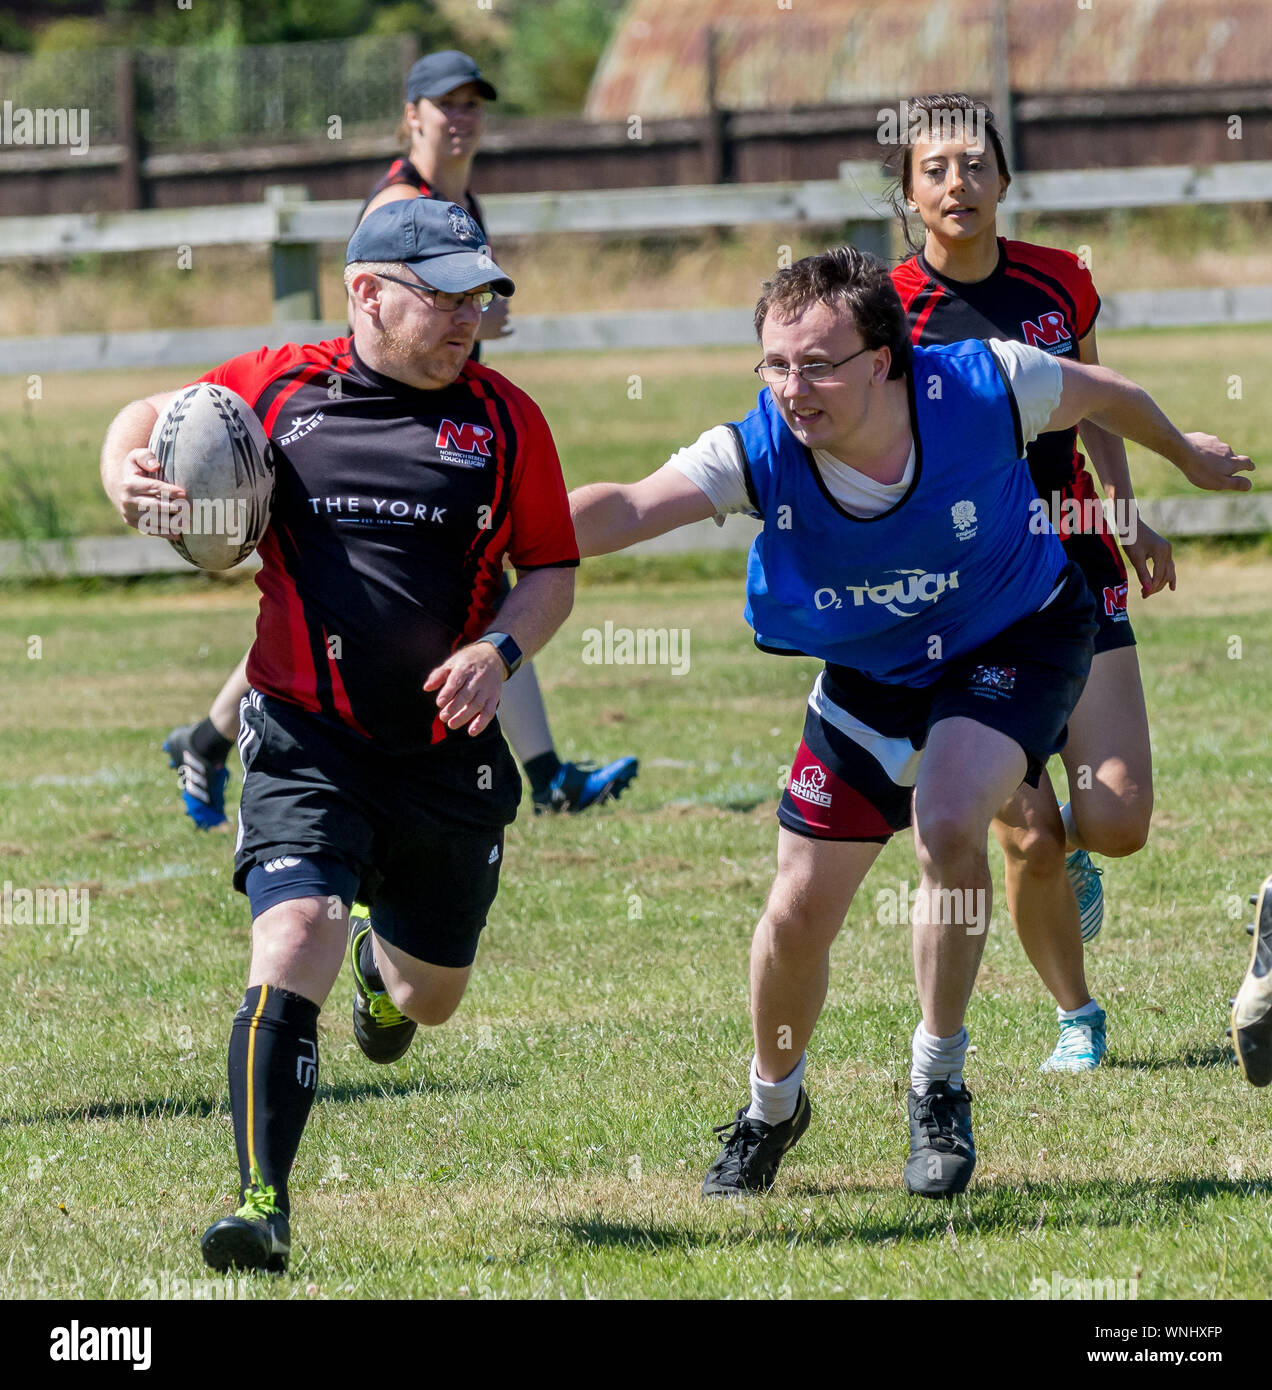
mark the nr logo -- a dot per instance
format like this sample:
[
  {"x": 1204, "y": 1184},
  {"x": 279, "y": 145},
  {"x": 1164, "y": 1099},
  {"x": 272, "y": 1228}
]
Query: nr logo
[
  {"x": 1115, "y": 602},
  {"x": 465, "y": 438},
  {"x": 1047, "y": 332}
]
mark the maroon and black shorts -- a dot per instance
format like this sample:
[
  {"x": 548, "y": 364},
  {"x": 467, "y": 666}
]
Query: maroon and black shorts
[{"x": 853, "y": 776}]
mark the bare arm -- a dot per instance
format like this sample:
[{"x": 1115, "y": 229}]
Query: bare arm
[
  {"x": 394, "y": 193},
  {"x": 1149, "y": 554},
  {"x": 1121, "y": 407},
  {"x": 128, "y": 467},
  {"x": 612, "y": 516},
  {"x": 470, "y": 681}
]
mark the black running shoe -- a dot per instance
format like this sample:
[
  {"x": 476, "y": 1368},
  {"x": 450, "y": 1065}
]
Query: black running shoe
[
  {"x": 1252, "y": 1008},
  {"x": 942, "y": 1155},
  {"x": 383, "y": 1032},
  {"x": 753, "y": 1150},
  {"x": 257, "y": 1236}
]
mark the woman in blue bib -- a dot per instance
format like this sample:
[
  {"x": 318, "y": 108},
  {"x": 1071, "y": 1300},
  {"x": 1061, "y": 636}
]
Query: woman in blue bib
[{"x": 904, "y": 544}]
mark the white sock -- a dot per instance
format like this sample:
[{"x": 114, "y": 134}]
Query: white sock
[
  {"x": 936, "y": 1059},
  {"x": 774, "y": 1101},
  {"x": 1070, "y": 829},
  {"x": 1090, "y": 1007}
]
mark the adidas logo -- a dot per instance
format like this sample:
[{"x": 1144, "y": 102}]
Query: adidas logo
[
  {"x": 494, "y": 856},
  {"x": 288, "y": 861}
]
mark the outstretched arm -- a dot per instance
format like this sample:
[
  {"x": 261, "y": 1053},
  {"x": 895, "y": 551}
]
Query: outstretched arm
[
  {"x": 1125, "y": 409},
  {"x": 1148, "y": 553},
  {"x": 612, "y": 516}
]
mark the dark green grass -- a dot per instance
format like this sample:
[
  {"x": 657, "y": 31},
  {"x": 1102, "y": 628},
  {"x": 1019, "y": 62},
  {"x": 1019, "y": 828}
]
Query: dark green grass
[{"x": 550, "y": 1139}]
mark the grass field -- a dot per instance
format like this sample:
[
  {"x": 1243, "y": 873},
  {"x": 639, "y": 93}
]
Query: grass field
[
  {"x": 604, "y": 430},
  {"x": 550, "y": 1140}
]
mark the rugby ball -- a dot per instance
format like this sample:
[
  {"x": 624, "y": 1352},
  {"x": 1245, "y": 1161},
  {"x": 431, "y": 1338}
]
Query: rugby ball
[{"x": 209, "y": 442}]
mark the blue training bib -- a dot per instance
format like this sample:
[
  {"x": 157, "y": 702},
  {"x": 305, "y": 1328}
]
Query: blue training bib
[{"x": 962, "y": 555}]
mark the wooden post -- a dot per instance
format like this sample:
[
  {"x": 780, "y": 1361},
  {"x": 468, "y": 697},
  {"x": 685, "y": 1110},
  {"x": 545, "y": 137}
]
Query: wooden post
[
  {"x": 1000, "y": 61},
  {"x": 130, "y": 196},
  {"x": 408, "y": 55},
  {"x": 295, "y": 265},
  {"x": 713, "y": 153},
  {"x": 873, "y": 237}
]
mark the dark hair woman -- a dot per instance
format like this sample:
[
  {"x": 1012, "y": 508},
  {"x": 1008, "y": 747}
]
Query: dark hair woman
[{"x": 965, "y": 281}]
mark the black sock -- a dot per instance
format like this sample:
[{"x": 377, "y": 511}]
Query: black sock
[
  {"x": 366, "y": 963},
  {"x": 210, "y": 745},
  {"x": 273, "y": 1071},
  {"x": 542, "y": 770}
]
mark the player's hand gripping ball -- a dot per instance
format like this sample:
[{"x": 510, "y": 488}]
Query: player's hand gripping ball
[{"x": 210, "y": 443}]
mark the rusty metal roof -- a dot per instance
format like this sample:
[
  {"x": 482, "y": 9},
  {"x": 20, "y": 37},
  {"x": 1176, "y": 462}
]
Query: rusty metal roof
[{"x": 841, "y": 52}]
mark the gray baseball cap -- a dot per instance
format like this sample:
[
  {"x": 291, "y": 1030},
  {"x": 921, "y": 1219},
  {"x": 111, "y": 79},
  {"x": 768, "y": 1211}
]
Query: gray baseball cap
[
  {"x": 438, "y": 73},
  {"x": 440, "y": 241}
]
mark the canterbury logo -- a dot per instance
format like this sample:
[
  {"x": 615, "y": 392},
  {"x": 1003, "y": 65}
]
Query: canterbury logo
[
  {"x": 288, "y": 861},
  {"x": 467, "y": 439}
]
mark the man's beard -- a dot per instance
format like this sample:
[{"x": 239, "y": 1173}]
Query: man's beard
[{"x": 411, "y": 351}]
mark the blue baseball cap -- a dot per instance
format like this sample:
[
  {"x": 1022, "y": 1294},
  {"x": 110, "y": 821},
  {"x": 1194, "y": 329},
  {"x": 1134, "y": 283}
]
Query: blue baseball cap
[
  {"x": 440, "y": 241},
  {"x": 438, "y": 73}
]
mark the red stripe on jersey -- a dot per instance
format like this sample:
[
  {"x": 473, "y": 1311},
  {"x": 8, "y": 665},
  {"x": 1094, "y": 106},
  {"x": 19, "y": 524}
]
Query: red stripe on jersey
[
  {"x": 485, "y": 553},
  {"x": 281, "y": 662},
  {"x": 339, "y": 696},
  {"x": 1065, "y": 271},
  {"x": 1081, "y": 490},
  {"x": 909, "y": 281},
  {"x": 258, "y": 376},
  {"x": 1060, "y": 299},
  {"x": 294, "y": 385},
  {"x": 917, "y": 332}
]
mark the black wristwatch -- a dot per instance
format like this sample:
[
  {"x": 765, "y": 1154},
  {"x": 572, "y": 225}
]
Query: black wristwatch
[{"x": 507, "y": 649}]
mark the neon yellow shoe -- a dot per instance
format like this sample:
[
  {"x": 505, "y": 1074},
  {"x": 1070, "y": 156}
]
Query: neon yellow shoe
[
  {"x": 383, "y": 1032},
  {"x": 257, "y": 1236}
]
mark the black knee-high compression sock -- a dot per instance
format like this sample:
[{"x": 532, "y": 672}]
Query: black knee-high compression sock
[
  {"x": 541, "y": 770},
  {"x": 273, "y": 1073},
  {"x": 209, "y": 742}
]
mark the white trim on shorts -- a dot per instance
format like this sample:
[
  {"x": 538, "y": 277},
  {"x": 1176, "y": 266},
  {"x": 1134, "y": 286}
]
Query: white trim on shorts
[{"x": 898, "y": 757}]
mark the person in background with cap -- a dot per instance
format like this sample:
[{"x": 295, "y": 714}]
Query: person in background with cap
[
  {"x": 443, "y": 120},
  {"x": 374, "y": 767}
]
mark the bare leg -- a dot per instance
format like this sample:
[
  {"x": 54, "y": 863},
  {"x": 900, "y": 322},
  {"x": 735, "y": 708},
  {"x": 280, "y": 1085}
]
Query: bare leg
[
  {"x": 1109, "y": 760},
  {"x": 967, "y": 772},
  {"x": 1039, "y": 895},
  {"x": 427, "y": 993},
  {"x": 299, "y": 946},
  {"x": 790, "y": 952}
]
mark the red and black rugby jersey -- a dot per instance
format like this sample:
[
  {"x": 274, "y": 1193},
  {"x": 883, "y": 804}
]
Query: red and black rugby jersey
[
  {"x": 393, "y": 510},
  {"x": 1036, "y": 294},
  {"x": 404, "y": 172}
]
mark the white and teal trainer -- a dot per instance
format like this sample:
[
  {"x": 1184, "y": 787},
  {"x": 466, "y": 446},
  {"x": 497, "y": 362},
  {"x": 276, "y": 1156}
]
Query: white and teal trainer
[
  {"x": 1088, "y": 890},
  {"x": 1082, "y": 1044}
]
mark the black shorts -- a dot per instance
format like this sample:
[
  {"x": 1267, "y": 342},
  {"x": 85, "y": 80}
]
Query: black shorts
[
  {"x": 1099, "y": 558},
  {"x": 853, "y": 776},
  {"x": 418, "y": 838}
]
